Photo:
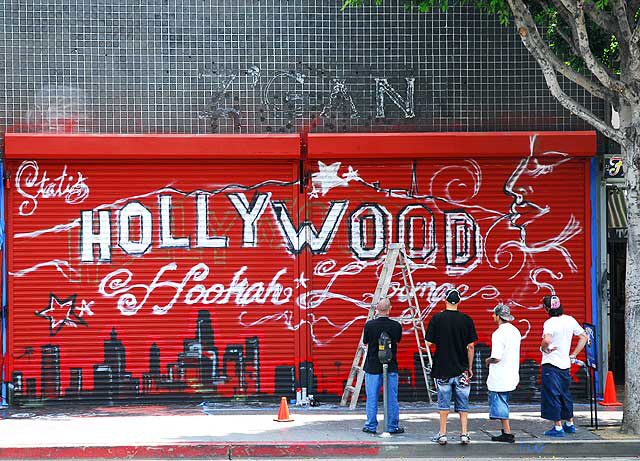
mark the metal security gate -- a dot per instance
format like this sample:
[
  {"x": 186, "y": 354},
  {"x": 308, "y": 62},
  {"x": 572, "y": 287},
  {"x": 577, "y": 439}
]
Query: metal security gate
[
  {"x": 503, "y": 217},
  {"x": 144, "y": 267},
  {"x": 201, "y": 267}
]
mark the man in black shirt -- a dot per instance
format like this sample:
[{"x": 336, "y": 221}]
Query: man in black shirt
[
  {"x": 453, "y": 333},
  {"x": 373, "y": 368}
]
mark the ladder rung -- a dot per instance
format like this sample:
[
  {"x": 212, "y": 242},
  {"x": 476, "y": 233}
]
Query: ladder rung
[{"x": 395, "y": 258}]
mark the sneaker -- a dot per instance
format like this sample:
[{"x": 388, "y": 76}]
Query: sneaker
[
  {"x": 439, "y": 439},
  {"x": 553, "y": 432},
  {"x": 399, "y": 430},
  {"x": 569, "y": 429},
  {"x": 464, "y": 439},
  {"x": 508, "y": 438},
  {"x": 368, "y": 431}
]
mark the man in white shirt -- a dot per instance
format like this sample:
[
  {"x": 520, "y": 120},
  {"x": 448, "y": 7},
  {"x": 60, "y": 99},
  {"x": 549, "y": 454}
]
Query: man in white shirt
[
  {"x": 558, "y": 331},
  {"x": 504, "y": 369}
]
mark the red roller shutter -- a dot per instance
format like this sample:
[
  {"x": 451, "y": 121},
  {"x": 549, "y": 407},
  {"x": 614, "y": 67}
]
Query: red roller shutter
[
  {"x": 504, "y": 217},
  {"x": 133, "y": 273}
]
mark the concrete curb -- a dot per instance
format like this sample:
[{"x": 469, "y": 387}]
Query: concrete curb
[{"x": 301, "y": 450}]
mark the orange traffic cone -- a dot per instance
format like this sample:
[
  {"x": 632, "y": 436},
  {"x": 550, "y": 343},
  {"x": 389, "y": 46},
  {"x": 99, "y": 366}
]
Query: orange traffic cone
[
  {"x": 610, "y": 399},
  {"x": 283, "y": 413}
]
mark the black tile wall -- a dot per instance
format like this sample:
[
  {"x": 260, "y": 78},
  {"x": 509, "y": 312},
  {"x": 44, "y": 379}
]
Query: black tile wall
[{"x": 258, "y": 66}]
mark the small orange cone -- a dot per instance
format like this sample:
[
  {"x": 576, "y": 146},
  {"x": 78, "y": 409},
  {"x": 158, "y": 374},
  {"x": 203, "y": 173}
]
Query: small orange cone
[
  {"x": 610, "y": 399},
  {"x": 283, "y": 413}
]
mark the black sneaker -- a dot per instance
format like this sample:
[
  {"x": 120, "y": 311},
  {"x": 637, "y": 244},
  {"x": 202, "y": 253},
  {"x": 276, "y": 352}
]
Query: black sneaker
[
  {"x": 399, "y": 430},
  {"x": 368, "y": 431},
  {"x": 509, "y": 438}
]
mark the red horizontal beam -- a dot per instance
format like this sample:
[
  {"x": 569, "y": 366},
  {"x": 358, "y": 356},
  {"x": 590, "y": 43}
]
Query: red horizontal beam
[
  {"x": 417, "y": 145},
  {"x": 151, "y": 146},
  {"x": 287, "y": 146}
]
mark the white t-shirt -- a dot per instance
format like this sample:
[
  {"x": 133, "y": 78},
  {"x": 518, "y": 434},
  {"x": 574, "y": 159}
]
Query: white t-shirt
[
  {"x": 504, "y": 376},
  {"x": 562, "y": 329}
]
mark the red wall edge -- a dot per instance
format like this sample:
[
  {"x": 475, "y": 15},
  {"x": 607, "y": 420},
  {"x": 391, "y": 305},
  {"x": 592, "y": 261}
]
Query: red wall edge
[
  {"x": 153, "y": 146},
  {"x": 417, "y": 145}
]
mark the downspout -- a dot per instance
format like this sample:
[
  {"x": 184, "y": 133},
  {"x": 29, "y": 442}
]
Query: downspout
[{"x": 3, "y": 312}]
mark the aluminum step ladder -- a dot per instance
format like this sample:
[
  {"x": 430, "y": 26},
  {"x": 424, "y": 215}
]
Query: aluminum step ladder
[{"x": 396, "y": 257}]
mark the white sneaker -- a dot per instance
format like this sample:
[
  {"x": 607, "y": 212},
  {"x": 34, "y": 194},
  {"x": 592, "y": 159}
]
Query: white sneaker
[{"x": 439, "y": 439}]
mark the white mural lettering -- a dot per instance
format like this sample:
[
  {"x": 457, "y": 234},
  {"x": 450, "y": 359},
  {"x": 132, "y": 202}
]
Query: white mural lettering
[
  {"x": 416, "y": 229},
  {"x": 88, "y": 238},
  {"x": 306, "y": 234},
  {"x": 133, "y": 297},
  {"x": 131, "y": 212},
  {"x": 203, "y": 240},
  {"x": 250, "y": 213},
  {"x": 463, "y": 243},
  {"x": 369, "y": 230},
  {"x": 167, "y": 240},
  {"x": 33, "y": 186}
]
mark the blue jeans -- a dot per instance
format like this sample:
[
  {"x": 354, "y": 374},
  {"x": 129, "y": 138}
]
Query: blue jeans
[
  {"x": 373, "y": 385},
  {"x": 498, "y": 405},
  {"x": 453, "y": 387},
  {"x": 556, "y": 402}
]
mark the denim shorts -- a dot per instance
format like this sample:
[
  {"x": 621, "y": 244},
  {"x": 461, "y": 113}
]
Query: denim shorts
[
  {"x": 453, "y": 388},
  {"x": 498, "y": 405}
]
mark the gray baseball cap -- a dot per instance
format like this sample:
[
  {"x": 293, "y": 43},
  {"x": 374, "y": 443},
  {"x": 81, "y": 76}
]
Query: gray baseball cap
[{"x": 503, "y": 312}]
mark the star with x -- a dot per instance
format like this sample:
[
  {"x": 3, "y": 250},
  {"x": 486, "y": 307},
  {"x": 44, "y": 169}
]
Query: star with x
[
  {"x": 301, "y": 282},
  {"x": 61, "y": 312},
  {"x": 314, "y": 192}
]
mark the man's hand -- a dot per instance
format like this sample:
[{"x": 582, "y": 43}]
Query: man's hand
[
  {"x": 490, "y": 360},
  {"x": 470, "y": 372}
]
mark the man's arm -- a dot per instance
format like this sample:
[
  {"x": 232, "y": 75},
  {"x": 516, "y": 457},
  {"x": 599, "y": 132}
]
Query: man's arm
[
  {"x": 471, "y": 349},
  {"x": 546, "y": 343},
  {"x": 581, "y": 342},
  {"x": 497, "y": 350}
]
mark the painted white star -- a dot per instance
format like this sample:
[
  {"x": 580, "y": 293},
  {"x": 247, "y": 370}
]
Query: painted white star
[
  {"x": 327, "y": 178},
  {"x": 314, "y": 192},
  {"x": 351, "y": 175},
  {"x": 301, "y": 281}
]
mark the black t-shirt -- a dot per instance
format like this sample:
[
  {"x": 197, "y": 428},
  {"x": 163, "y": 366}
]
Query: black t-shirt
[
  {"x": 450, "y": 331},
  {"x": 372, "y": 331}
]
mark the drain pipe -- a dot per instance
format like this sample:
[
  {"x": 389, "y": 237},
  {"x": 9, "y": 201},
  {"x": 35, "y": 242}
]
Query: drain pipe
[{"x": 3, "y": 312}]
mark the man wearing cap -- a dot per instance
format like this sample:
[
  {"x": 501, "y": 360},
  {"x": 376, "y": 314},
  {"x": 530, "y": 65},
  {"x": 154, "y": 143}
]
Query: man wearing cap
[
  {"x": 558, "y": 332},
  {"x": 453, "y": 333},
  {"x": 504, "y": 369}
]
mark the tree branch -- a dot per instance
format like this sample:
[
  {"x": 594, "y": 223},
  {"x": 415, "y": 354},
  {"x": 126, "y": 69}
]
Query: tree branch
[
  {"x": 528, "y": 31},
  {"x": 592, "y": 86},
  {"x": 620, "y": 12},
  {"x": 593, "y": 64},
  {"x": 566, "y": 16},
  {"x": 603, "y": 19}
]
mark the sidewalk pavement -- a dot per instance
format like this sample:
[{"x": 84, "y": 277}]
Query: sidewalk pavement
[{"x": 236, "y": 431}]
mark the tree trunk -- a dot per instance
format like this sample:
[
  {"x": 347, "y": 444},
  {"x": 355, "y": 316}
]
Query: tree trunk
[{"x": 631, "y": 418}]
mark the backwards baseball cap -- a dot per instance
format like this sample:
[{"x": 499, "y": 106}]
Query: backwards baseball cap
[
  {"x": 503, "y": 312},
  {"x": 551, "y": 302},
  {"x": 453, "y": 296}
]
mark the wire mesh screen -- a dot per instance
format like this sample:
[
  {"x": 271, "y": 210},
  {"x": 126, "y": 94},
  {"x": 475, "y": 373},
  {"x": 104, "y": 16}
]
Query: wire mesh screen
[{"x": 258, "y": 66}]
